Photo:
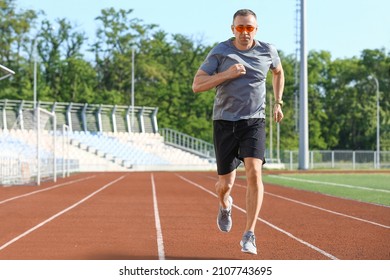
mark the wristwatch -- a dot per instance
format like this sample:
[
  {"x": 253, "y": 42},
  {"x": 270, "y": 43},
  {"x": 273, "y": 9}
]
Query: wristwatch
[{"x": 280, "y": 102}]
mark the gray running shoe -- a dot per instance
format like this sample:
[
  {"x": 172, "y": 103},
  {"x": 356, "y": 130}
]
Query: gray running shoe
[
  {"x": 248, "y": 243},
  {"x": 224, "y": 219}
]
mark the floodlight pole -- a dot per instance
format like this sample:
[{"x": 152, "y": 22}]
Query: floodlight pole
[
  {"x": 35, "y": 73},
  {"x": 378, "y": 144},
  {"x": 378, "y": 137},
  {"x": 132, "y": 90},
  {"x": 35, "y": 83},
  {"x": 303, "y": 97}
]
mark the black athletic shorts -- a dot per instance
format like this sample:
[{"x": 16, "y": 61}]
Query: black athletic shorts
[{"x": 236, "y": 140}]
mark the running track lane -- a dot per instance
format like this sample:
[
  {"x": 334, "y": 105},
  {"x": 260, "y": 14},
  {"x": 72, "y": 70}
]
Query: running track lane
[
  {"x": 347, "y": 229},
  {"x": 341, "y": 228},
  {"x": 119, "y": 222},
  {"x": 192, "y": 206},
  {"x": 115, "y": 223}
]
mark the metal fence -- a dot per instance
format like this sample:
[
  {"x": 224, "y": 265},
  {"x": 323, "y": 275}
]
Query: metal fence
[
  {"x": 338, "y": 159},
  {"x": 319, "y": 159}
]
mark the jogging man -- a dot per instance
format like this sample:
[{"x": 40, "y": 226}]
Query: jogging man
[{"x": 237, "y": 68}]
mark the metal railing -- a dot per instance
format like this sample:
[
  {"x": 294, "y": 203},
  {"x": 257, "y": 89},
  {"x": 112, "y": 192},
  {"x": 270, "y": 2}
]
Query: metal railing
[
  {"x": 188, "y": 143},
  {"x": 338, "y": 159}
]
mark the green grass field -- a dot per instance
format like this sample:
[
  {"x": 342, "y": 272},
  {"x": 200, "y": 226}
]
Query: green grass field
[{"x": 367, "y": 187}]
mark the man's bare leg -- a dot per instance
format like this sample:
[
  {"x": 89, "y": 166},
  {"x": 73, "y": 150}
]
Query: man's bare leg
[
  {"x": 255, "y": 191},
  {"x": 223, "y": 188},
  {"x": 254, "y": 200}
]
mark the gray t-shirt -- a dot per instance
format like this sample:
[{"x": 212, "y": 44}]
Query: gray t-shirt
[{"x": 242, "y": 97}]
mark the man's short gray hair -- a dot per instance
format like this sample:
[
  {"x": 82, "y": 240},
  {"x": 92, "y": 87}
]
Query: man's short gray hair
[{"x": 244, "y": 12}]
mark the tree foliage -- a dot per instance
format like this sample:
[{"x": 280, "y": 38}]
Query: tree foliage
[{"x": 342, "y": 96}]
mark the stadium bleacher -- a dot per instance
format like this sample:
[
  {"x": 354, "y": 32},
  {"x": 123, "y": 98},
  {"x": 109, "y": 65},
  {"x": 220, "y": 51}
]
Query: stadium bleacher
[{"x": 98, "y": 138}]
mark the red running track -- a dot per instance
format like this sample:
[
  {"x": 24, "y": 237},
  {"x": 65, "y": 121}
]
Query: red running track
[{"x": 172, "y": 215}]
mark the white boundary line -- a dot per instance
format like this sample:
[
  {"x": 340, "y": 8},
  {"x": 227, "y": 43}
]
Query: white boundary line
[
  {"x": 328, "y": 183},
  {"x": 160, "y": 242},
  {"x": 319, "y": 208},
  {"x": 267, "y": 223},
  {"x": 46, "y": 189},
  {"x": 329, "y": 211},
  {"x": 58, "y": 214}
]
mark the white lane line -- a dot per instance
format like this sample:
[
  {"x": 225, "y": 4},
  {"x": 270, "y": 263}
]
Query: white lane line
[
  {"x": 160, "y": 241},
  {"x": 267, "y": 223},
  {"x": 328, "y": 183},
  {"x": 46, "y": 189},
  {"x": 320, "y": 208},
  {"x": 58, "y": 214},
  {"x": 329, "y": 211}
]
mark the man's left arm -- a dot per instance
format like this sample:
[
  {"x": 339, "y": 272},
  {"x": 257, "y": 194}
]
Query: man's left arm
[{"x": 278, "y": 86}]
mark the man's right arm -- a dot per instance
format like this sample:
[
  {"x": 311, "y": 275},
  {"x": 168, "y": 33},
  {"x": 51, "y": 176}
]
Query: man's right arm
[{"x": 203, "y": 81}]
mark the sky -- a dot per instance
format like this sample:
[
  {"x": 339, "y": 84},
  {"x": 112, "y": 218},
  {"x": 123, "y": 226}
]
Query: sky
[{"x": 342, "y": 27}]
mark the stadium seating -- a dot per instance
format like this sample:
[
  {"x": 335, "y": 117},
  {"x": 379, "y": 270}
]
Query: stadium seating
[
  {"x": 104, "y": 151},
  {"x": 91, "y": 137},
  {"x": 136, "y": 150}
]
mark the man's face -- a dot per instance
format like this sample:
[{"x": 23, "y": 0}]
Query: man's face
[{"x": 244, "y": 35}]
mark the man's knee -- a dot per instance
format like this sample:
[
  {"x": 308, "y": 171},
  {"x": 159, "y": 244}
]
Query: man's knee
[
  {"x": 225, "y": 183},
  {"x": 253, "y": 170},
  {"x": 223, "y": 186}
]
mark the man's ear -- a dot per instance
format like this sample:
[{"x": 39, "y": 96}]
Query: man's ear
[{"x": 232, "y": 27}]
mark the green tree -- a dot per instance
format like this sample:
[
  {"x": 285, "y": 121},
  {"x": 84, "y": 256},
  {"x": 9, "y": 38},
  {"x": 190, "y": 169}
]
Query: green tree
[
  {"x": 167, "y": 68},
  {"x": 376, "y": 63},
  {"x": 317, "y": 74},
  {"x": 116, "y": 39},
  {"x": 15, "y": 48},
  {"x": 64, "y": 74}
]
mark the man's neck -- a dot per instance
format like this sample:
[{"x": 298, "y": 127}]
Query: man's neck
[{"x": 243, "y": 47}]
